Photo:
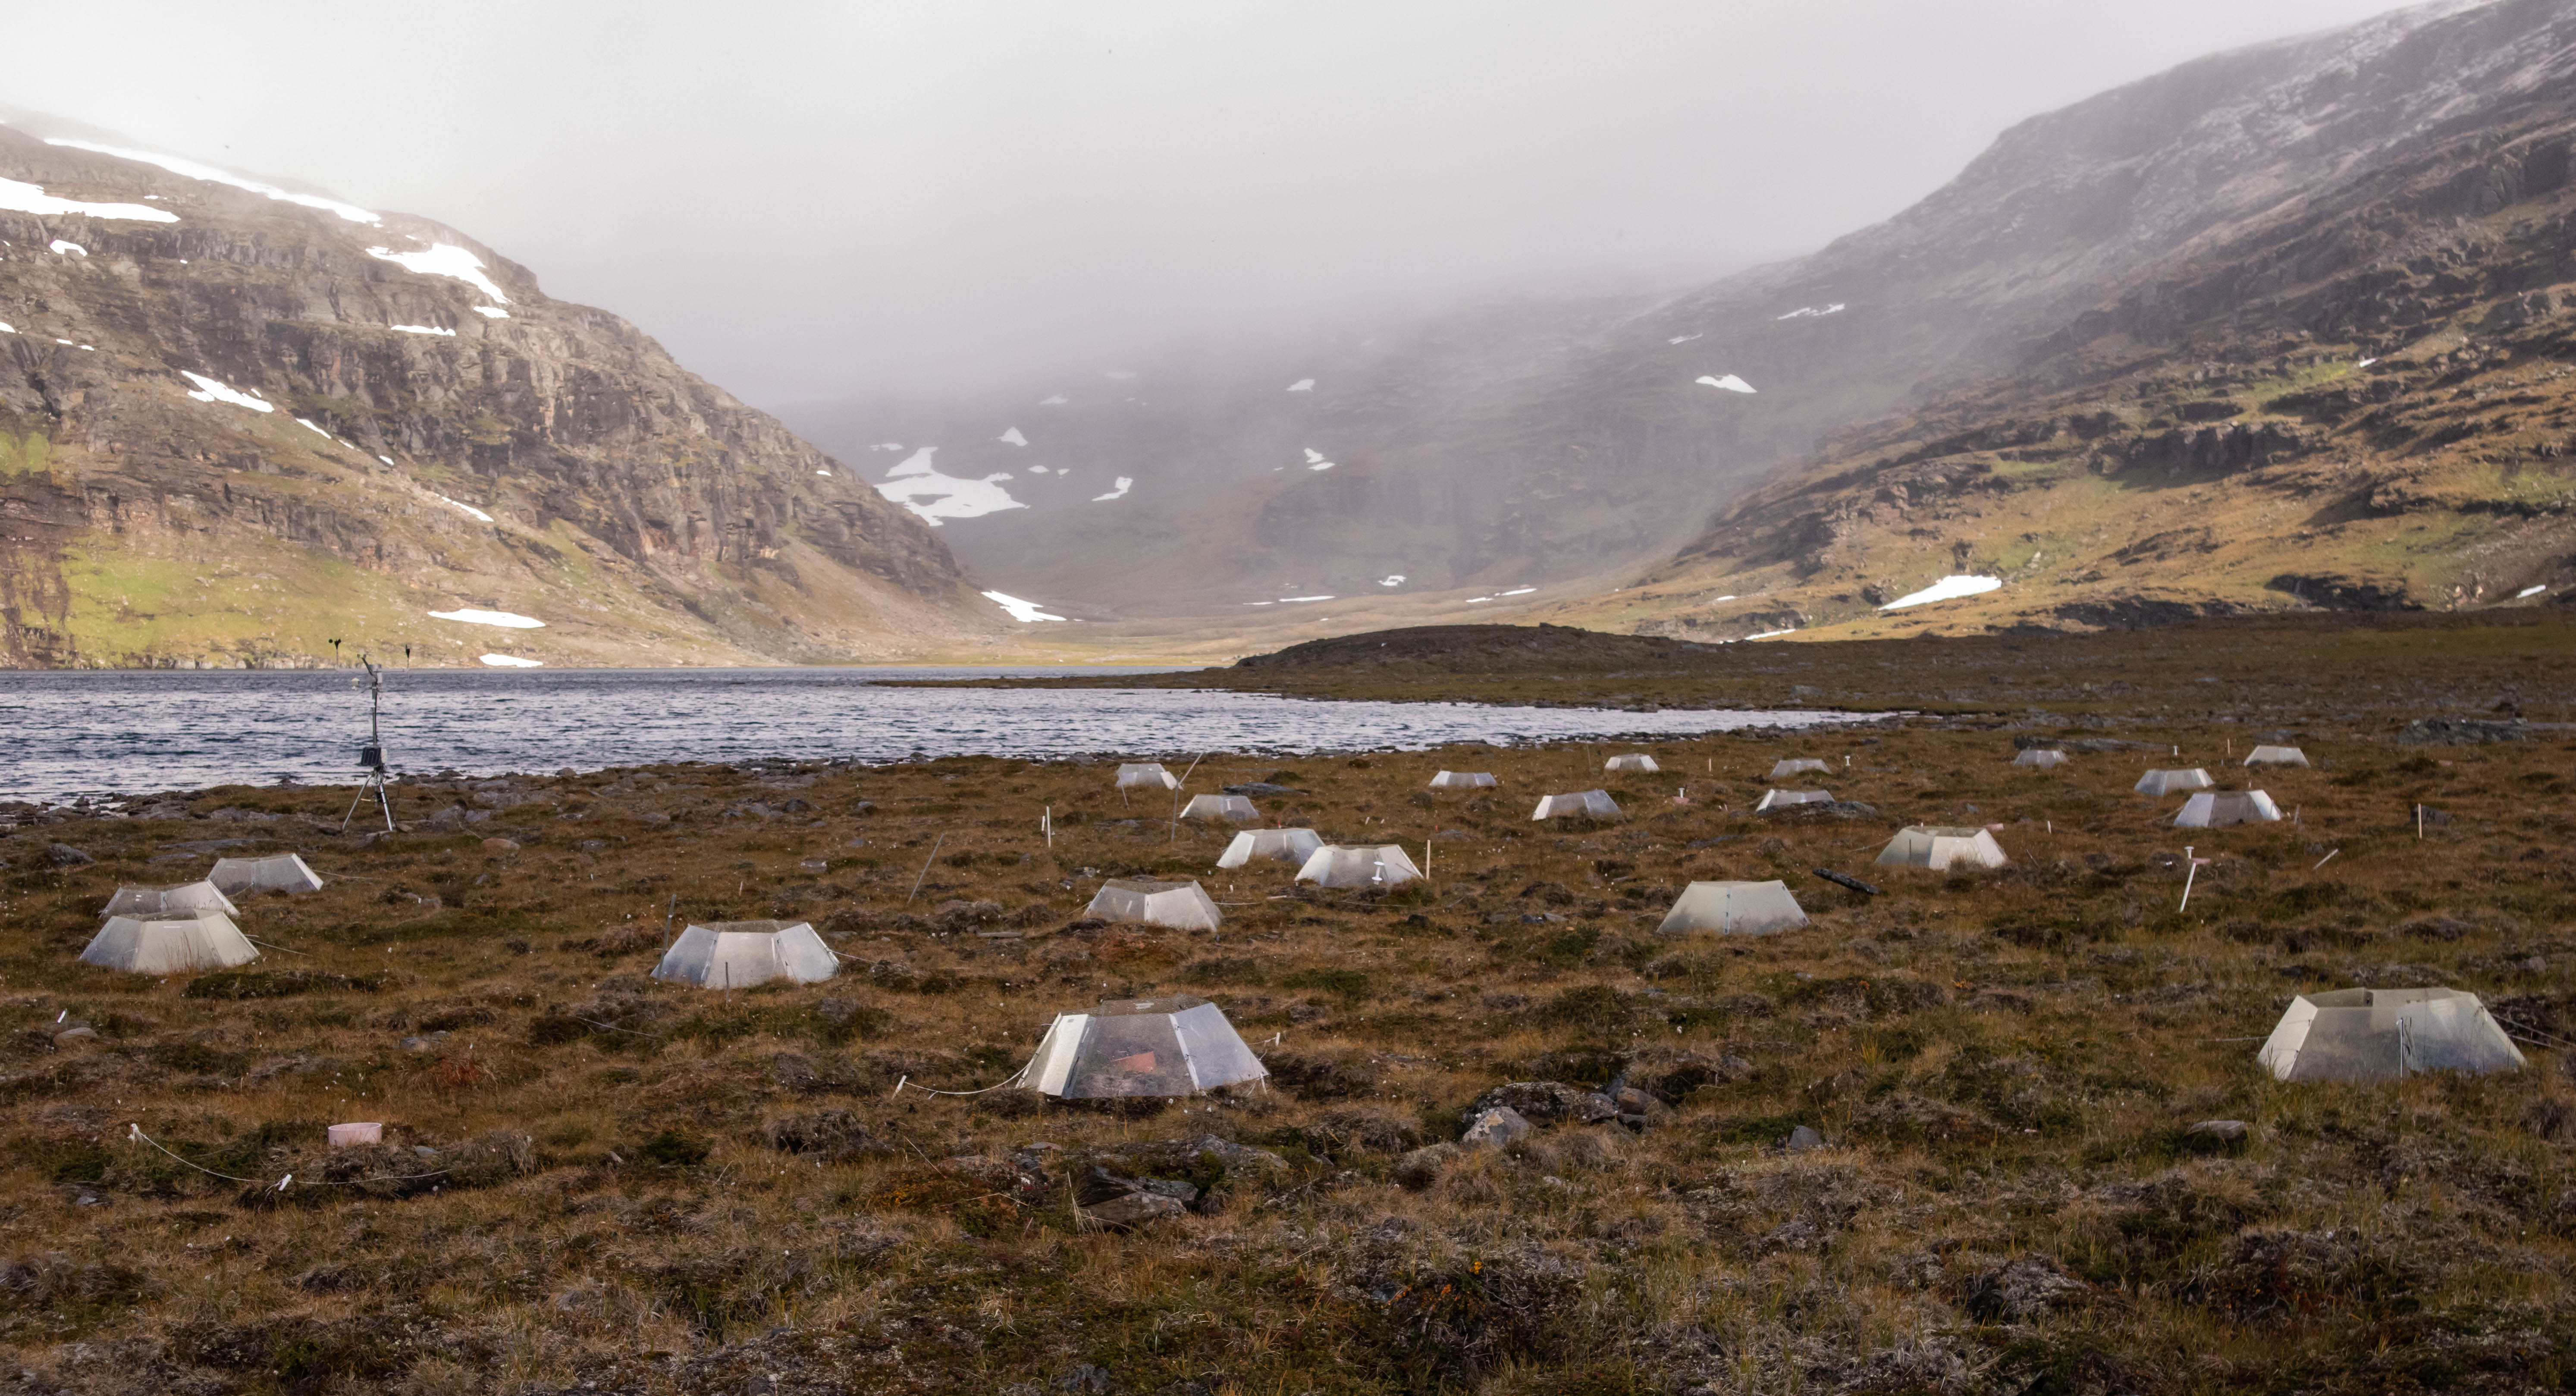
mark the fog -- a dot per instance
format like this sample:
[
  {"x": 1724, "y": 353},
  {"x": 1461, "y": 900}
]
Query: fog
[{"x": 803, "y": 201}]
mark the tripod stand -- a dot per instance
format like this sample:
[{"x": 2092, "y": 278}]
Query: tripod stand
[{"x": 371, "y": 757}]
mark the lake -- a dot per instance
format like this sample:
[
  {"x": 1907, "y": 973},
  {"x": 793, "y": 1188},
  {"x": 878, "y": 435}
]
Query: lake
[{"x": 68, "y": 734}]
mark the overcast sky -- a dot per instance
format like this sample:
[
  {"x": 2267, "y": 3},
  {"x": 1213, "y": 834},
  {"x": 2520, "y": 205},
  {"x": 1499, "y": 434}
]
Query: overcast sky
[{"x": 804, "y": 200}]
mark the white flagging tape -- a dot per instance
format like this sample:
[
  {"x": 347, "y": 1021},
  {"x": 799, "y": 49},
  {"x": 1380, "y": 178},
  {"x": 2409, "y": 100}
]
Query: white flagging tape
[{"x": 1011, "y": 1080}]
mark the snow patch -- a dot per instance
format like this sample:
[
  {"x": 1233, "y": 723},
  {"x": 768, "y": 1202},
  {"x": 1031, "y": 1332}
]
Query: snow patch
[
  {"x": 1037, "y": 470},
  {"x": 422, "y": 329},
  {"x": 31, "y": 198},
  {"x": 1773, "y": 634},
  {"x": 1684, "y": 338},
  {"x": 1728, "y": 597},
  {"x": 1810, "y": 312},
  {"x": 192, "y": 169},
  {"x": 5, "y": 328},
  {"x": 443, "y": 259},
  {"x": 1517, "y": 591},
  {"x": 505, "y": 619},
  {"x": 1730, "y": 382},
  {"x": 317, "y": 431},
  {"x": 2531, "y": 591},
  {"x": 2365, "y": 363},
  {"x": 887, "y": 446},
  {"x": 512, "y": 661},
  {"x": 1025, "y": 612},
  {"x": 208, "y": 390},
  {"x": 386, "y": 459},
  {"x": 1287, "y": 599},
  {"x": 454, "y": 503},
  {"x": 1302, "y": 385},
  {"x": 1012, "y": 438},
  {"x": 1315, "y": 460},
  {"x": 1393, "y": 579},
  {"x": 917, "y": 485},
  {"x": 1125, "y": 483},
  {"x": 69, "y": 249},
  {"x": 491, "y": 312},
  {"x": 824, "y": 473},
  {"x": 1058, "y": 400},
  {"x": 1946, "y": 589}
]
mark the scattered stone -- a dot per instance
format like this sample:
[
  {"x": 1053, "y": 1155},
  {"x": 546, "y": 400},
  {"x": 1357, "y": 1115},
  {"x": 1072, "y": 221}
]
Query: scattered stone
[
  {"x": 1548, "y": 1103},
  {"x": 428, "y": 1042},
  {"x": 2223, "y": 1131},
  {"x": 76, "y": 1035},
  {"x": 1421, "y": 1168},
  {"x": 1802, "y": 1139},
  {"x": 497, "y": 846},
  {"x": 63, "y": 855},
  {"x": 2462, "y": 731},
  {"x": 1495, "y": 1128},
  {"x": 2021, "y": 1290},
  {"x": 1262, "y": 787},
  {"x": 1134, "y": 1209}
]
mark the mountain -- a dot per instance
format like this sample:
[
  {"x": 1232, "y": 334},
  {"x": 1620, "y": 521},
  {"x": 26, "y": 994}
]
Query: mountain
[
  {"x": 239, "y": 421},
  {"x": 1557, "y": 446},
  {"x": 2353, "y": 392}
]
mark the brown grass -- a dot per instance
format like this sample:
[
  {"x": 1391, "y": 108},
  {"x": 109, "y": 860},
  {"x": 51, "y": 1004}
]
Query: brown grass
[{"x": 2003, "y": 1066}]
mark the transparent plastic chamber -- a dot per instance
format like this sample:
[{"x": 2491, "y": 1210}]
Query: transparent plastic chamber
[{"x": 1141, "y": 1047}]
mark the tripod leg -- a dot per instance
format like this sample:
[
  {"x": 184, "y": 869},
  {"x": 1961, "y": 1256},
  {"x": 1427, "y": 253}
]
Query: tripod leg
[
  {"x": 385, "y": 801},
  {"x": 353, "y": 806}
]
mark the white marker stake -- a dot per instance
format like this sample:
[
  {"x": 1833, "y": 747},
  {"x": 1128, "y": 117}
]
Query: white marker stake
[{"x": 2189, "y": 872}]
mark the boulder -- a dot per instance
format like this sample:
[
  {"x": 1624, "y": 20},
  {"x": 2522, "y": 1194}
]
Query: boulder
[
  {"x": 1133, "y": 1209},
  {"x": 1802, "y": 1139},
  {"x": 63, "y": 855},
  {"x": 1494, "y": 1128},
  {"x": 2220, "y": 1131},
  {"x": 1548, "y": 1103}
]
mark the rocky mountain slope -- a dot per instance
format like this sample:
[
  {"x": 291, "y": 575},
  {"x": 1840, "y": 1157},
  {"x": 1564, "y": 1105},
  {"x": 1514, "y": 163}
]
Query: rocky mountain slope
[
  {"x": 1552, "y": 445},
  {"x": 2359, "y": 397},
  {"x": 239, "y": 422}
]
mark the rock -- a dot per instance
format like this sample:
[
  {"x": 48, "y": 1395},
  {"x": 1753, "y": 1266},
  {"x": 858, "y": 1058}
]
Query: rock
[
  {"x": 864, "y": 808},
  {"x": 2462, "y": 731},
  {"x": 1802, "y": 1139},
  {"x": 1421, "y": 1168},
  {"x": 1134, "y": 1209},
  {"x": 1495, "y": 1128},
  {"x": 1548, "y": 1103},
  {"x": 426, "y": 1043},
  {"x": 500, "y": 846},
  {"x": 63, "y": 855},
  {"x": 76, "y": 1036},
  {"x": 1101, "y": 1186},
  {"x": 2224, "y": 1131},
  {"x": 1262, "y": 787},
  {"x": 2021, "y": 1290}
]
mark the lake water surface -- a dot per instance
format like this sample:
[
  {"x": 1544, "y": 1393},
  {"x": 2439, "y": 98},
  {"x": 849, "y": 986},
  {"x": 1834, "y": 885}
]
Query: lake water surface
[{"x": 94, "y": 733}]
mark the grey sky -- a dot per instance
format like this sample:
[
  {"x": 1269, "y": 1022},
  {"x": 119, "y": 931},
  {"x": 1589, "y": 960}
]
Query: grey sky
[{"x": 800, "y": 200}]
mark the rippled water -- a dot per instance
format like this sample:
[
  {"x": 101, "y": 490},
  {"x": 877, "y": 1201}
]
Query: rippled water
[{"x": 68, "y": 734}]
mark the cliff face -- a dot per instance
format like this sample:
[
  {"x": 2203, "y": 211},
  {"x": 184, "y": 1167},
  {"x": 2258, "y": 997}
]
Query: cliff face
[{"x": 236, "y": 425}]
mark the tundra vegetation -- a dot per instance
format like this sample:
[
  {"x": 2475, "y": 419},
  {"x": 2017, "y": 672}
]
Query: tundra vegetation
[{"x": 590, "y": 1180}]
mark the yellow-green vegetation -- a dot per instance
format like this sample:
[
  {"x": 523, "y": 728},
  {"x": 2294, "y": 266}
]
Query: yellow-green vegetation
[
  {"x": 32, "y": 454},
  {"x": 591, "y": 1180}
]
